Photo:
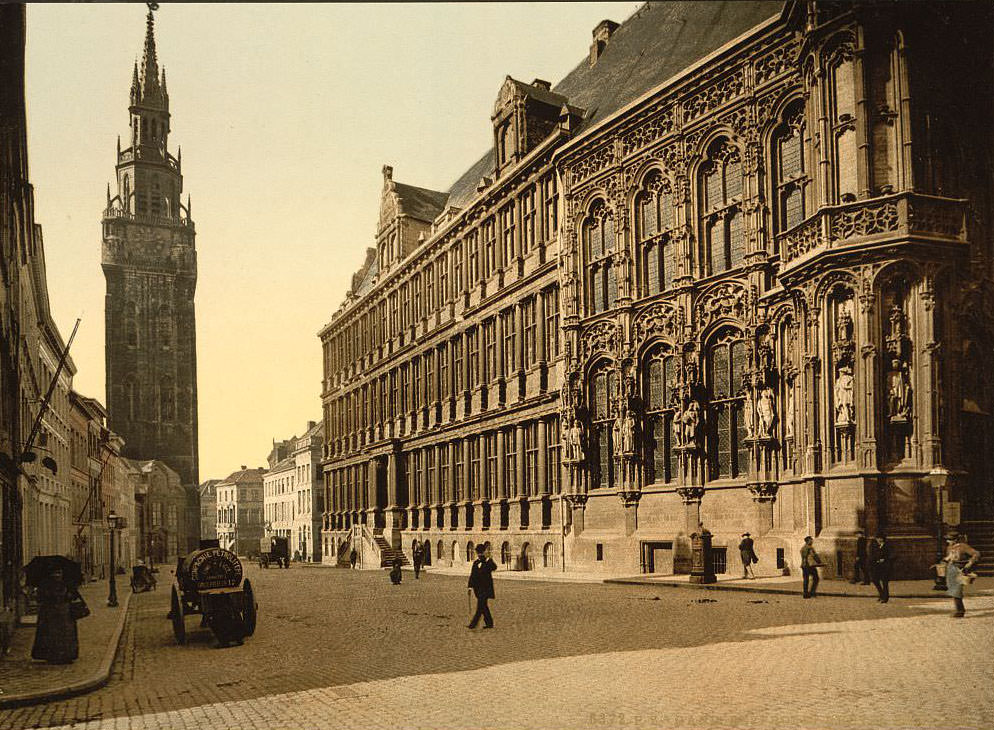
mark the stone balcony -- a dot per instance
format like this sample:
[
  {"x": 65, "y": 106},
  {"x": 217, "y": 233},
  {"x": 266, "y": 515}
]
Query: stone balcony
[{"x": 878, "y": 221}]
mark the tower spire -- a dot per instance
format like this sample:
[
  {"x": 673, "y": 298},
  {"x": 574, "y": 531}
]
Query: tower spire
[{"x": 151, "y": 89}]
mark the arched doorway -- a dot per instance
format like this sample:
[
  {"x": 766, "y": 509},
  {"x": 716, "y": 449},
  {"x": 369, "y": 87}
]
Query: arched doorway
[
  {"x": 505, "y": 553},
  {"x": 470, "y": 552},
  {"x": 526, "y": 556},
  {"x": 548, "y": 556}
]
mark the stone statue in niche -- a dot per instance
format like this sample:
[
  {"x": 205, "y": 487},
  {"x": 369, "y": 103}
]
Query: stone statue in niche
[
  {"x": 844, "y": 322},
  {"x": 766, "y": 413},
  {"x": 691, "y": 421},
  {"x": 845, "y": 411},
  {"x": 573, "y": 438},
  {"x": 748, "y": 413},
  {"x": 788, "y": 413},
  {"x": 899, "y": 395},
  {"x": 624, "y": 432}
]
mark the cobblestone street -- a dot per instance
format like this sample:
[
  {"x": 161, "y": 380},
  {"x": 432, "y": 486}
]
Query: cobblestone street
[{"x": 336, "y": 648}]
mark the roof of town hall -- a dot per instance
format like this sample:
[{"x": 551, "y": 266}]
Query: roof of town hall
[{"x": 656, "y": 43}]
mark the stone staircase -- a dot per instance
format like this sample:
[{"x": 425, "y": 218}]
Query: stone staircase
[
  {"x": 980, "y": 535},
  {"x": 388, "y": 552}
]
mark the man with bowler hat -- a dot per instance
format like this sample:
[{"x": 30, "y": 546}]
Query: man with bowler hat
[
  {"x": 481, "y": 583},
  {"x": 880, "y": 562},
  {"x": 748, "y": 555}
]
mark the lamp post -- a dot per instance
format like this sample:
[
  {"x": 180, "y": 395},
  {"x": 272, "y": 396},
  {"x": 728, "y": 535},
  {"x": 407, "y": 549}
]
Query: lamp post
[
  {"x": 939, "y": 478},
  {"x": 112, "y": 520}
]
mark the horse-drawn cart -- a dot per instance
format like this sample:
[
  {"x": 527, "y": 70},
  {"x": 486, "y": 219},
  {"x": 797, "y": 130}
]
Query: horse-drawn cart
[{"x": 207, "y": 583}]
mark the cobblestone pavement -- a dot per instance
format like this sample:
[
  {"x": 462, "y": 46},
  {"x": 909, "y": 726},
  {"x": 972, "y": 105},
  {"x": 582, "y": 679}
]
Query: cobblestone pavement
[{"x": 341, "y": 649}]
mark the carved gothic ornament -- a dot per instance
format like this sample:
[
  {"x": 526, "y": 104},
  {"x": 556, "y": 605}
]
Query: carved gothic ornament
[
  {"x": 739, "y": 121},
  {"x": 727, "y": 300},
  {"x": 591, "y": 163},
  {"x": 779, "y": 62},
  {"x": 576, "y": 499},
  {"x": 691, "y": 495},
  {"x": 629, "y": 498},
  {"x": 865, "y": 220},
  {"x": 659, "y": 320},
  {"x": 600, "y": 338},
  {"x": 764, "y": 491},
  {"x": 655, "y": 127},
  {"x": 714, "y": 96}
]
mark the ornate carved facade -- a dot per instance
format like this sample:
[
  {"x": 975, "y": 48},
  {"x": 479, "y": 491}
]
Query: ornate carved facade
[
  {"x": 150, "y": 265},
  {"x": 759, "y": 298}
]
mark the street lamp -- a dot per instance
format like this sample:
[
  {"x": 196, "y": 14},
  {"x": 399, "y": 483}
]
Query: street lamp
[
  {"x": 112, "y": 520},
  {"x": 939, "y": 478}
]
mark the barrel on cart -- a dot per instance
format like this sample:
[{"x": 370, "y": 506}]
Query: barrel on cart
[{"x": 209, "y": 582}]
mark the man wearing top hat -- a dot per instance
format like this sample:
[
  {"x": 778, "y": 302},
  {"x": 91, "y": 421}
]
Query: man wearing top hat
[
  {"x": 748, "y": 555},
  {"x": 481, "y": 583}
]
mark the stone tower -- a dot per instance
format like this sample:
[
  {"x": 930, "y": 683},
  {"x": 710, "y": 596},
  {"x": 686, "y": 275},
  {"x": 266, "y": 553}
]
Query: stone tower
[{"x": 150, "y": 265}]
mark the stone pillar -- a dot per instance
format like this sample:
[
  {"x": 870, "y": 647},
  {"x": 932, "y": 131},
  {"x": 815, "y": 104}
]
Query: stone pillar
[
  {"x": 764, "y": 494},
  {"x": 691, "y": 497},
  {"x": 577, "y": 504},
  {"x": 630, "y": 501}
]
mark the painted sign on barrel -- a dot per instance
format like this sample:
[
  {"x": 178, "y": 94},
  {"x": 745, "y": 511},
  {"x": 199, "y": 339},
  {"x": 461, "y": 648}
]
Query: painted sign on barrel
[{"x": 213, "y": 568}]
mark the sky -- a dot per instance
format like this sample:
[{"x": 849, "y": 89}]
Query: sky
[{"x": 285, "y": 115}]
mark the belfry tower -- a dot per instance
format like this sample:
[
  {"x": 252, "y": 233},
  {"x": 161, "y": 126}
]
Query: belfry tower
[{"x": 150, "y": 265}]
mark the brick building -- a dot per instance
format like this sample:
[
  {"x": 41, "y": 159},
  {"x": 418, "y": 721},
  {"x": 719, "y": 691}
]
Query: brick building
[
  {"x": 240, "y": 521},
  {"x": 735, "y": 268}
]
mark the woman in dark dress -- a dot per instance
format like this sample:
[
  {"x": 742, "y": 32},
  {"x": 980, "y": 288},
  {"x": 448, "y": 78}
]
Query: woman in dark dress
[{"x": 56, "y": 638}]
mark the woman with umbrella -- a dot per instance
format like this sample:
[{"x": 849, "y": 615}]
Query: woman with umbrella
[{"x": 57, "y": 579}]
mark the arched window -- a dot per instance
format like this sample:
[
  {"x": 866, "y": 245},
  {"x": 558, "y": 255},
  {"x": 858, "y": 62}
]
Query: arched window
[
  {"x": 598, "y": 243},
  {"x": 654, "y": 223},
  {"x": 167, "y": 400},
  {"x": 131, "y": 396},
  {"x": 726, "y": 364},
  {"x": 720, "y": 194},
  {"x": 164, "y": 321},
  {"x": 661, "y": 396},
  {"x": 790, "y": 178},
  {"x": 126, "y": 200},
  {"x": 842, "y": 90},
  {"x": 603, "y": 386}
]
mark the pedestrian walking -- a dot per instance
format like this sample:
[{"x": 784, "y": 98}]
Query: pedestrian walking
[
  {"x": 860, "y": 571},
  {"x": 810, "y": 562},
  {"x": 481, "y": 584},
  {"x": 59, "y": 605},
  {"x": 880, "y": 562},
  {"x": 748, "y": 555},
  {"x": 353, "y": 557},
  {"x": 417, "y": 557},
  {"x": 395, "y": 572},
  {"x": 959, "y": 559}
]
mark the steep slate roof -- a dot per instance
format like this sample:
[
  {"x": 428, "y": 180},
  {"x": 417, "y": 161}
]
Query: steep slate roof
[
  {"x": 244, "y": 475},
  {"x": 657, "y": 42},
  {"x": 420, "y": 203},
  {"x": 364, "y": 278}
]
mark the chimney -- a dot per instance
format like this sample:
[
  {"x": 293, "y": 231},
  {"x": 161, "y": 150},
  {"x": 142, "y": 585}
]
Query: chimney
[
  {"x": 311, "y": 424},
  {"x": 244, "y": 467},
  {"x": 542, "y": 84},
  {"x": 602, "y": 33}
]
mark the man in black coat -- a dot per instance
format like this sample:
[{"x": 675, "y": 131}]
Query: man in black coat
[
  {"x": 861, "y": 572},
  {"x": 481, "y": 583},
  {"x": 747, "y": 552},
  {"x": 880, "y": 562},
  {"x": 418, "y": 556}
]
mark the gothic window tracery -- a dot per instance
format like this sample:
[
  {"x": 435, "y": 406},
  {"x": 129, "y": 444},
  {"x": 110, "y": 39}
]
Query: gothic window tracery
[
  {"x": 721, "y": 219},
  {"x": 601, "y": 398},
  {"x": 661, "y": 396},
  {"x": 654, "y": 223},
  {"x": 598, "y": 243},
  {"x": 131, "y": 324},
  {"x": 790, "y": 182},
  {"x": 726, "y": 365},
  {"x": 842, "y": 93}
]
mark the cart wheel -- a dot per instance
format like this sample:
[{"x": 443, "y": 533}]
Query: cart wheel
[
  {"x": 250, "y": 608},
  {"x": 179, "y": 625}
]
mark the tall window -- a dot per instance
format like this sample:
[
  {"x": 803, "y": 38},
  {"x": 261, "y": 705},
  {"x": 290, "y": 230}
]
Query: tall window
[
  {"x": 429, "y": 279},
  {"x": 508, "y": 326},
  {"x": 598, "y": 239},
  {"x": 553, "y": 459},
  {"x": 430, "y": 391},
  {"x": 444, "y": 473},
  {"x": 442, "y": 275},
  {"x": 531, "y": 458},
  {"x": 790, "y": 177},
  {"x": 490, "y": 264},
  {"x": 490, "y": 350},
  {"x": 552, "y": 333},
  {"x": 728, "y": 454},
  {"x": 473, "y": 356},
  {"x": 508, "y": 251},
  {"x": 473, "y": 257},
  {"x": 603, "y": 386},
  {"x": 458, "y": 492},
  {"x": 527, "y": 221},
  {"x": 459, "y": 382},
  {"x": 491, "y": 444},
  {"x": 443, "y": 371},
  {"x": 416, "y": 383},
  {"x": 417, "y": 312},
  {"x": 511, "y": 461},
  {"x": 457, "y": 272},
  {"x": 550, "y": 207},
  {"x": 131, "y": 323},
  {"x": 167, "y": 400},
  {"x": 661, "y": 396},
  {"x": 530, "y": 325},
  {"x": 654, "y": 222},
  {"x": 843, "y": 121},
  {"x": 474, "y": 486},
  {"x": 721, "y": 208}
]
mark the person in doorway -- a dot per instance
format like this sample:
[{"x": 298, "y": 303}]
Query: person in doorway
[
  {"x": 860, "y": 572},
  {"x": 960, "y": 558},
  {"x": 810, "y": 562},
  {"x": 353, "y": 557},
  {"x": 417, "y": 557},
  {"x": 748, "y": 555},
  {"x": 481, "y": 584},
  {"x": 880, "y": 562}
]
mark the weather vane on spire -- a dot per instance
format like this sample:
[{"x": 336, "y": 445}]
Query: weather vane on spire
[{"x": 152, "y": 7}]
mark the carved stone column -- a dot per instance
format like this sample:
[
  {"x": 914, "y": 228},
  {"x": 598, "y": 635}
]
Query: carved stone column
[
  {"x": 577, "y": 504},
  {"x": 764, "y": 494},
  {"x": 691, "y": 497}
]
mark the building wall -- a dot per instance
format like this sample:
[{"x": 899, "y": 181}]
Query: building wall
[
  {"x": 240, "y": 522},
  {"x": 308, "y": 494},
  {"x": 757, "y": 267}
]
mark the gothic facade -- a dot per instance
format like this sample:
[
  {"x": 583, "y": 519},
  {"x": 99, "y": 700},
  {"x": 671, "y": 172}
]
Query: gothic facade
[
  {"x": 748, "y": 285},
  {"x": 150, "y": 266}
]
